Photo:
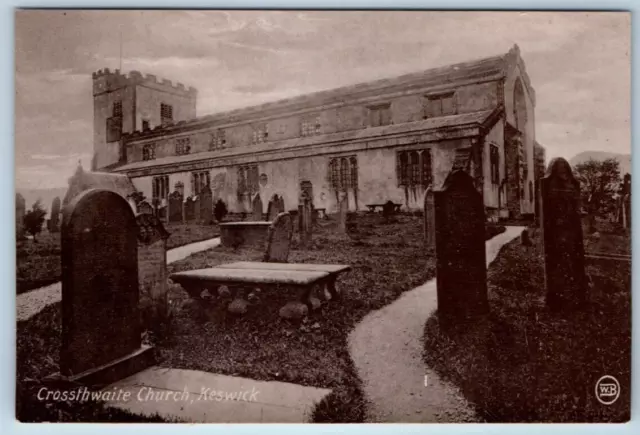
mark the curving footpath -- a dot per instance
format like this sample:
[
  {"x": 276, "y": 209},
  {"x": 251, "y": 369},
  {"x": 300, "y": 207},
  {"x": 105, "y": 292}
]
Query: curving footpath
[
  {"x": 386, "y": 348},
  {"x": 32, "y": 302}
]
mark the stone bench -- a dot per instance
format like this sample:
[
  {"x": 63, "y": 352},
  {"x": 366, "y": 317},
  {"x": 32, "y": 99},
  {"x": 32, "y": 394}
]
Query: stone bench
[
  {"x": 245, "y": 234},
  {"x": 302, "y": 278}
]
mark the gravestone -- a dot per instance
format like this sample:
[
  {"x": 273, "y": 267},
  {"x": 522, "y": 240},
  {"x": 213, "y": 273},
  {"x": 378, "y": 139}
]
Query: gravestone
[
  {"x": 20, "y": 210},
  {"x": 280, "y": 205},
  {"x": 256, "y": 208},
  {"x": 429, "y": 220},
  {"x": 189, "y": 209},
  {"x": 206, "y": 205},
  {"x": 343, "y": 209},
  {"x": 305, "y": 218},
  {"x": 272, "y": 208},
  {"x": 565, "y": 276},
  {"x": 152, "y": 269},
  {"x": 461, "y": 272},
  {"x": 145, "y": 208},
  {"x": 279, "y": 239},
  {"x": 175, "y": 207},
  {"x": 54, "y": 225},
  {"x": 388, "y": 210},
  {"x": 101, "y": 334}
]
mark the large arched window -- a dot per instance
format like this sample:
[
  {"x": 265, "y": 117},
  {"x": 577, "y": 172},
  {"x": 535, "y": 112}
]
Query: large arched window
[{"x": 520, "y": 106}]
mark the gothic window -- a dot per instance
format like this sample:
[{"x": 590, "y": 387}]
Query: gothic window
[
  {"x": 440, "y": 105},
  {"x": 260, "y": 134},
  {"x": 183, "y": 146},
  {"x": 218, "y": 140},
  {"x": 343, "y": 173},
  {"x": 199, "y": 180},
  {"x": 248, "y": 179},
  {"x": 149, "y": 152},
  {"x": 310, "y": 126},
  {"x": 413, "y": 168},
  {"x": 160, "y": 187},
  {"x": 494, "y": 161},
  {"x": 166, "y": 114},
  {"x": 380, "y": 115}
]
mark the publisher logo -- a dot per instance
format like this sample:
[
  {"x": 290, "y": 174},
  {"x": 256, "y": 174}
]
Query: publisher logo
[{"x": 607, "y": 390}]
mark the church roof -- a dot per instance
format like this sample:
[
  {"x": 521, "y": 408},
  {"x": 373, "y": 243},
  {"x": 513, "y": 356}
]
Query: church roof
[{"x": 443, "y": 123}]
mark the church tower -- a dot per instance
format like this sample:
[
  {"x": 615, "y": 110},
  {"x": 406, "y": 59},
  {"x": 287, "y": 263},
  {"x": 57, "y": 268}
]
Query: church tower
[{"x": 123, "y": 103}]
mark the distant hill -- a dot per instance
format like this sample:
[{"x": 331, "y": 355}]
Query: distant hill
[
  {"x": 624, "y": 159},
  {"x": 46, "y": 196}
]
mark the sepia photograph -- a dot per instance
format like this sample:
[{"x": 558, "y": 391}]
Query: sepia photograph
[{"x": 322, "y": 216}]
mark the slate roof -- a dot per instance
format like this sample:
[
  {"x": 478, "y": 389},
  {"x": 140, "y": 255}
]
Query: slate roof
[{"x": 473, "y": 119}]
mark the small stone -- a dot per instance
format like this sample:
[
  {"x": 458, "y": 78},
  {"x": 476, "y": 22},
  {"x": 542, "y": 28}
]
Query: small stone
[
  {"x": 315, "y": 326},
  {"x": 294, "y": 310},
  {"x": 315, "y": 303},
  {"x": 238, "y": 306},
  {"x": 326, "y": 294},
  {"x": 223, "y": 291},
  {"x": 252, "y": 297}
]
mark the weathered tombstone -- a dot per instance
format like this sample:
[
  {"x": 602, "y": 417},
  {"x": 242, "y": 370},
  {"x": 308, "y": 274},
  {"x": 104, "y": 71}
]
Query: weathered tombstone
[
  {"x": 272, "y": 208},
  {"x": 145, "y": 208},
  {"x": 256, "y": 208},
  {"x": 429, "y": 220},
  {"x": 101, "y": 334},
  {"x": 206, "y": 205},
  {"x": 342, "y": 212},
  {"x": 565, "y": 276},
  {"x": 305, "y": 218},
  {"x": 175, "y": 207},
  {"x": 279, "y": 239},
  {"x": 280, "y": 207},
  {"x": 189, "y": 209},
  {"x": 54, "y": 225},
  {"x": 460, "y": 252},
  {"x": 20, "y": 210},
  {"x": 152, "y": 269},
  {"x": 388, "y": 210}
]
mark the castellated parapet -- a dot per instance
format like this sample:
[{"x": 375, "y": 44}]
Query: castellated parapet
[{"x": 108, "y": 81}]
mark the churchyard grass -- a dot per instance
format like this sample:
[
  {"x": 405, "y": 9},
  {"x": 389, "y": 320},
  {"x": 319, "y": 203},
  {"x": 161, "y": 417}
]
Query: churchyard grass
[
  {"x": 38, "y": 263},
  {"x": 524, "y": 364}
]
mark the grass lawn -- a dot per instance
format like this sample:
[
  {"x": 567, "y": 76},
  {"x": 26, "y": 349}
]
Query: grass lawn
[
  {"x": 38, "y": 263},
  {"x": 524, "y": 364}
]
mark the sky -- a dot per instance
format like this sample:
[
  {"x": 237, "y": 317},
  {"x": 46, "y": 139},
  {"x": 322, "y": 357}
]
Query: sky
[{"x": 578, "y": 63}]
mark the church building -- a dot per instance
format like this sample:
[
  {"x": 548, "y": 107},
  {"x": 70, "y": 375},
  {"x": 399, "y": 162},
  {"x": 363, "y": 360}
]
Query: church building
[{"x": 383, "y": 140}]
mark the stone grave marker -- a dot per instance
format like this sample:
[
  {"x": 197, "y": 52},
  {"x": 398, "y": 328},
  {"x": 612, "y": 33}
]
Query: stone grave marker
[
  {"x": 20, "y": 210},
  {"x": 206, "y": 205},
  {"x": 429, "y": 220},
  {"x": 280, "y": 205},
  {"x": 189, "y": 209},
  {"x": 461, "y": 272},
  {"x": 152, "y": 268},
  {"x": 256, "y": 208},
  {"x": 565, "y": 276},
  {"x": 145, "y": 208},
  {"x": 279, "y": 239},
  {"x": 343, "y": 209},
  {"x": 305, "y": 218},
  {"x": 101, "y": 334},
  {"x": 175, "y": 207},
  {"x": 54, "y": 225},
  {"x": 272, "y": 208}
]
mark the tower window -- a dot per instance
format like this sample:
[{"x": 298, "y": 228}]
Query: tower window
[
  {"x": 117, "y": 109},
  {"x": 145, "y": 124},
  {"x": 494, "y": 160},
  {"x": 166, "y": 114}
]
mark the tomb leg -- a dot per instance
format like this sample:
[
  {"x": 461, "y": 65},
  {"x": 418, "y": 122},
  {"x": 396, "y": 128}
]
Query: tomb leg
[{"x": 333, "y": 288}]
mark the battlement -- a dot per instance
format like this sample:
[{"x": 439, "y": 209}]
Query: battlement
[{"x": 106, "y": 80}]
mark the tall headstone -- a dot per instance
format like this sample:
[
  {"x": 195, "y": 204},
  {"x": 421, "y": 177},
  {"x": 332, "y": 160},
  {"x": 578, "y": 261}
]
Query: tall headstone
[
  {"x": 460, "y": 252},
  {"x": 279, "y": 239},
  {"x": 145, "y": 208},
  {"x": 429, "y": 220},
  {"x": 189, "y": 209},
  {"x": 343, "y": 210},
  {"x": 100, "y": 313},
  {"x": 206, "y": 205},
  {"x": 280, "y": 205},
  {"x": 305, "y": 218},
  {"x": 152, "y": 268},
  {"x": 175, "y": 207},
  {"x": 256, "y": 208},
  {"x": 565, "y": 276},
  {"x": 272, "y": 208},
  {"x": 54, "y": 226},
  {"x": 20, "y": 210}
]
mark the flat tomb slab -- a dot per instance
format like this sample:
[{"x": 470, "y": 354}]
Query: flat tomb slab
[
  {"x": 329, "y": 268},
  {"x": 250, "y": 276},
  {"x": 237, "y": 234},
  {"x": 245, "y": 224}
]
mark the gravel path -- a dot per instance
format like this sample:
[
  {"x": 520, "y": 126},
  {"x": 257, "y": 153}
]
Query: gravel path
[
  {"x": 387, "y": 346},
  {"x": 32, "y": 302}
]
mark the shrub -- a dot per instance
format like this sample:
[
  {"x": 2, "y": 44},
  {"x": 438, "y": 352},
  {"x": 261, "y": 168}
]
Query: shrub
[{"x": 220, "y": 210}]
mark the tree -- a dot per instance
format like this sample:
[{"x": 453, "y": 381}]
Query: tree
[
  {"x": 34, "y": 218},
  {"x": 599, "y": 183}
]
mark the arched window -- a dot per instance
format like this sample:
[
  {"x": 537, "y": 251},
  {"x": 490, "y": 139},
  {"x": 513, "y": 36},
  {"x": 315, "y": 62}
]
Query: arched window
[{"x": 520, "y": 106}]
